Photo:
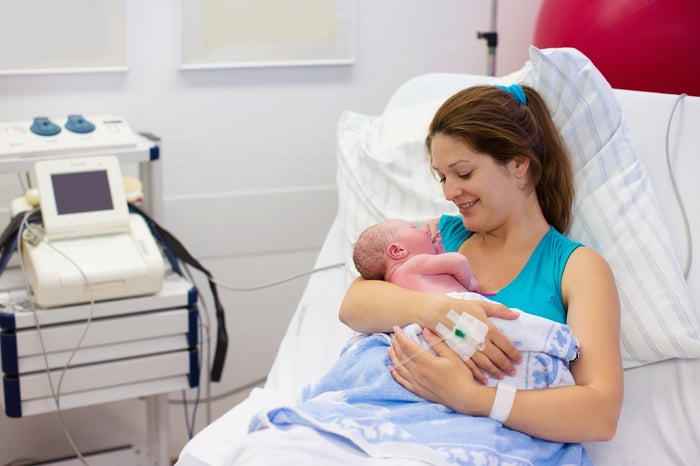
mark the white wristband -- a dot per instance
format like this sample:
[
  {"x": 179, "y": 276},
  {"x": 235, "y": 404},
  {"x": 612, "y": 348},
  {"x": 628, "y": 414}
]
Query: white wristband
[{"x": 502, "y": 404}]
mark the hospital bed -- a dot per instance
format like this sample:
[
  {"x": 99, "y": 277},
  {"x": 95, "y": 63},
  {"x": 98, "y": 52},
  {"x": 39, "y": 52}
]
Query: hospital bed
[{"x": 631, "y": 152}]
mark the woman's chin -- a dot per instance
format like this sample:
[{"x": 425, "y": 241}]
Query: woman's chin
[{"x": 471, "y": 224}]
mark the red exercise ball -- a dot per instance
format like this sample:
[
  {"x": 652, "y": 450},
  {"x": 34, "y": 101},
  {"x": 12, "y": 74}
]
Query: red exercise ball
[{"x": 649, "y": 45}]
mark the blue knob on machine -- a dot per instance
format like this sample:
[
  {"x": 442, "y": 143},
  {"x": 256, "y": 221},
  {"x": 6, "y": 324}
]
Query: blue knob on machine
[
  {"x": 44, "y": 127},
  {"x": 78, "y": 124}
]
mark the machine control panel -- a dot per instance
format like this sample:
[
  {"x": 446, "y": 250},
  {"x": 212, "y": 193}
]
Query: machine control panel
[{"x": 71, "y": 134}]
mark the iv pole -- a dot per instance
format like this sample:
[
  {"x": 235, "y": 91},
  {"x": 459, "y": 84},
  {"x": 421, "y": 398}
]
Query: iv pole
[{"x": 491, "y": 38}]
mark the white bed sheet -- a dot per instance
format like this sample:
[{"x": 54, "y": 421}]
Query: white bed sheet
[{"x": 660, "y": 420}]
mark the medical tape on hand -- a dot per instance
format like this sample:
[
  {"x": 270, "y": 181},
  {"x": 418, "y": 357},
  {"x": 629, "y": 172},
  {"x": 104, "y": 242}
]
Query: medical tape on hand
[{"x": 466, "y": 336}]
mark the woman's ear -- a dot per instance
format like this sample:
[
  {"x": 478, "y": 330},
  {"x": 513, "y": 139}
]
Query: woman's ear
[{"x": 519, "y": 166}]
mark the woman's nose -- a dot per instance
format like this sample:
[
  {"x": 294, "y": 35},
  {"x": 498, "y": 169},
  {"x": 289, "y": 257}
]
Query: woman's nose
[{"x": 451, "y": 190}]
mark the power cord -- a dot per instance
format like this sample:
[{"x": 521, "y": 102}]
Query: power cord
[
  {"x": 221, "y": 396},
  {"x": 35, "y": 235},
  {"x": 22, "y": 462},
  {"x": 676, "y": 192},
  {"x": 202, "y": 328},
  {"x": 279, "y": 282},
  {"x": 22, "y": 184}
]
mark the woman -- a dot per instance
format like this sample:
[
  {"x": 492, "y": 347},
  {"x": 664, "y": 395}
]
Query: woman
[{"x": 501, "y": 160}]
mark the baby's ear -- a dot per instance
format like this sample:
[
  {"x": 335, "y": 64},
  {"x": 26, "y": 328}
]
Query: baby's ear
[{"x": 396, "y": 251}]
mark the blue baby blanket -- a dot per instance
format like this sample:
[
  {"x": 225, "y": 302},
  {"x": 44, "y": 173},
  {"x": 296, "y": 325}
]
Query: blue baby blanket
[{"x": 359, "y": 402}]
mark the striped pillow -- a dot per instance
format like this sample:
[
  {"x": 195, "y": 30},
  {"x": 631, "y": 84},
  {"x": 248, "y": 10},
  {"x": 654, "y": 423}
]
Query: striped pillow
[{"x": 616, "y": 211}]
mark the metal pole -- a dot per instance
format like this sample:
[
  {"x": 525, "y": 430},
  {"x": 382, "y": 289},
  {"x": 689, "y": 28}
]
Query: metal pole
[{"x": 491, "y": 39}]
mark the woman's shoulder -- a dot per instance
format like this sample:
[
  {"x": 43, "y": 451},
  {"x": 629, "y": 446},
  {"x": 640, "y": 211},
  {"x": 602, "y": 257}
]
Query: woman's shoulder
[
  {"x": 583, "y": 262},
  {"x": 553, "y": 235},
  {"x": 584, "y": 257}
]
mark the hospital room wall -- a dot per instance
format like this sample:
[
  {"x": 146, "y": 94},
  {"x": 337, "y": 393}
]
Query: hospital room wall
[{"x": 248, "y": 158}]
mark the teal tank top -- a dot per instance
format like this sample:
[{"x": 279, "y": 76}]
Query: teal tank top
[{"x": 537, "y": 288}]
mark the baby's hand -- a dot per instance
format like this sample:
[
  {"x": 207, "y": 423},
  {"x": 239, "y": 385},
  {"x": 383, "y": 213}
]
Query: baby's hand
[{"x": 436, "y": 238}]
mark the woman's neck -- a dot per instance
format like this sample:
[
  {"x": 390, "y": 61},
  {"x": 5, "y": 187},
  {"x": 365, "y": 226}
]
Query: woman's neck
[{"x": 524, "y": 229}]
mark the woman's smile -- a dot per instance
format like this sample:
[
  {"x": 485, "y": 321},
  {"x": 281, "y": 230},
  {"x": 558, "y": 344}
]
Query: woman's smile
[{"x": 465, "y": 207}]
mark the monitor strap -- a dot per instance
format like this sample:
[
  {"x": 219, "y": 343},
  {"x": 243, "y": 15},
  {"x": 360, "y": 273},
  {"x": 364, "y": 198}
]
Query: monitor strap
[{"x": 174, "y": 250}]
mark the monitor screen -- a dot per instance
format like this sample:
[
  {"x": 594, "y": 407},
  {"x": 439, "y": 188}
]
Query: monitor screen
[{"x": 80, "y": 192}]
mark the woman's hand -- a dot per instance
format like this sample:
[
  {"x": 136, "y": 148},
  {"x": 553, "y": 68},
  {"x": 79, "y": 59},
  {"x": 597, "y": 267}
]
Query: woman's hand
[
  {"x": 441, "y": 378},
  {"x": 499, "y": 355}
]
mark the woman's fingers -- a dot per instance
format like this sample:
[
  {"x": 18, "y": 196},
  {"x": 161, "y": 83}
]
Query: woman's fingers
[
  {"x": 502, "y": 345},
  {"x": 441, "y": 348},
  {"x": 403, "y": 351},
  {"x": 494, "y": 309},
  {"x": 476, "y": 372},
  {"x": 495, "y": 364},
  {"x": 499, "y": 355},
  {"x": 435, "y": 377},
  {"x": 405, "y": 354}
]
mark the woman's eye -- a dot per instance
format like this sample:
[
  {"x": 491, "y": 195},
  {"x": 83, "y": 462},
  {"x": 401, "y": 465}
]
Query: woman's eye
[{"x": 466, "y": 176}]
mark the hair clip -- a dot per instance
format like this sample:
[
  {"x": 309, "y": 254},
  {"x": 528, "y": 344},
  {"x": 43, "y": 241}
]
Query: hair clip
[{"x": 516, "y": 91}]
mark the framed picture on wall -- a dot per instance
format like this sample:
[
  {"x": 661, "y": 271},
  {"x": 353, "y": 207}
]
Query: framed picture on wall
[
  {"x": 262, "y": 33},
  {"x": 68, "y": 36}
]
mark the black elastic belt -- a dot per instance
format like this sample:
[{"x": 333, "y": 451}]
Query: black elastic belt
[{"x": 174, "y": 249}]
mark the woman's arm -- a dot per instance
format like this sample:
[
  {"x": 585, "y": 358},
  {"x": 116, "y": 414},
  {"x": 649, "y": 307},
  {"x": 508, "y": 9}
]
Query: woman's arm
[
  {"x": 377, "y": 306},
  {"x": 588, "y": 411},
  {"x": 371, "y": 306}
]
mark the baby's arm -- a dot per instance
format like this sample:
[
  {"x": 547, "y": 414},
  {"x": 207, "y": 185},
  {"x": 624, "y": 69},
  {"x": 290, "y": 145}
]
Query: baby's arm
[{"x": 451, "y": 263}]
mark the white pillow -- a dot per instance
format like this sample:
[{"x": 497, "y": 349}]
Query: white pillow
[
  {"x": 383, "y": 173},
  {"x": 381, "y": 178}
]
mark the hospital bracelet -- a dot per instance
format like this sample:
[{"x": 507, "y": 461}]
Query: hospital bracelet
[{"x": 502, "y": 404}]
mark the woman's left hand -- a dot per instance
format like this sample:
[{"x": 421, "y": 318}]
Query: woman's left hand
[{"x": 442, "y": 378}]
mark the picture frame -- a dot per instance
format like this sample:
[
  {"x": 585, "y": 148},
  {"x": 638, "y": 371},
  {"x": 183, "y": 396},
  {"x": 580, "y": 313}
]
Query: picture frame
[
  {"x": 70, "y": 36},
  {"x": 266, "y": 33}
]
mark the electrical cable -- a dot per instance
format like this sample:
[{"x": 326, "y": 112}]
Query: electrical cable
[
  {"x": 21, "y": 182},
  {"x": 55, "y": 391},
  {"x": 676, "y": 192},
  {"x": 190, "y": 425},
  {"x": 22, "y": 462},
  {"x": 224, "y": 395},
  {"x": 279, "y": 282},
  {"x": 207, "y": 344}
]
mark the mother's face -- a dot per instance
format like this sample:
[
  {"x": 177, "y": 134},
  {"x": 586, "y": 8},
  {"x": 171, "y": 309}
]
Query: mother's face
[{"x": 484, "y": 191}]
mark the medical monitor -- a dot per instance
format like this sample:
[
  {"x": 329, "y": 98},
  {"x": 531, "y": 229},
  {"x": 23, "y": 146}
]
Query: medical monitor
[{"x": 82, "y": 197}]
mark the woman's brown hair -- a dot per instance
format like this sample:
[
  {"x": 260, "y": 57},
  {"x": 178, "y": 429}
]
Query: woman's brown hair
[{"x": 491, "y": 121}]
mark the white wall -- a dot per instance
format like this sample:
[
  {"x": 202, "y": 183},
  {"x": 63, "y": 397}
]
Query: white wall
[{"x": 249, "y": 166}]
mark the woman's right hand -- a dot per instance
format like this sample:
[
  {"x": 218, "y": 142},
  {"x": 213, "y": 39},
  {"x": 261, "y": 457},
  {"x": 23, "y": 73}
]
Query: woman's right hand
[
  {"x": 500, "y": 355},
  {"x": 373, "y": 306}
]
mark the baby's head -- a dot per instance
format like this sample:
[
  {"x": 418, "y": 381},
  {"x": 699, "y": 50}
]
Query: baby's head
[{"x": 393, "y": 239}]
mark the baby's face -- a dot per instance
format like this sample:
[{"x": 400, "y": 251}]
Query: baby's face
[{"x": 415, "y": 240}]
